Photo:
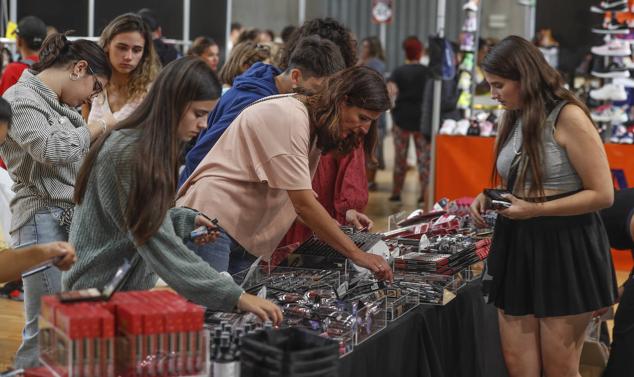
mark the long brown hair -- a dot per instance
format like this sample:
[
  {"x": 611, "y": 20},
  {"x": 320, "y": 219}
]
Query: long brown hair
[
  {"x": 58, "y": 51},
  {"x": 149, "y": 66},
  {"x": 243, "y": 55},
  {"x": 374, "y": 47},
  {"x": 155, "y": 168},
  {"x": 356, "y": 86},
  {"x": 541, "y": 87}
]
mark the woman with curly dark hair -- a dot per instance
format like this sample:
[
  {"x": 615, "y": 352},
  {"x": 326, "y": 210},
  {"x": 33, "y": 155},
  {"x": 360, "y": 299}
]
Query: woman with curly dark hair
[{"x": 257, "y": 179}]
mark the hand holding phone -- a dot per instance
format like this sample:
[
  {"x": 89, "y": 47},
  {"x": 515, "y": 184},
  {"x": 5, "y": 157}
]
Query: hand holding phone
[
  {"x": 496, "y": 200},
  {"x": 206, "y": 231},
  {"x": 60, "y": 254}
]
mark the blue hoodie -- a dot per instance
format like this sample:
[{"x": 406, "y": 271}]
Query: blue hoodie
[{"x": 257, "y": 82}]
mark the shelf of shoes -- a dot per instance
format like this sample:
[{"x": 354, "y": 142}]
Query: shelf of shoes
[
  {"x": 478, "y": 119},
  {"x": 469, "y": 38},
  {"x": 614, "y": 115}
]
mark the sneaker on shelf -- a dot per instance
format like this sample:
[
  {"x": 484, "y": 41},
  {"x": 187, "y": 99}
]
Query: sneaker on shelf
[
  {"x": 618, "y": 132},
  {"x": 470, "y": 23},
  {"x": 626, "y": 82},
  {"x": 607, "y": 113},
  {"x": 486, "y": 129},
  {"x": 448, "y": 125},
  {"x": 527, "y": 3},
  {"x": 471, "y": 6},
  {"x": 614, "y": 47},
  {"x": 474, "y": 129},
  {"x": 628, "y": 63},
  {"x": 467, "y": 42},
  {"x": 464, "y": 101},
  {"x": 628, "y": 138},
  {"x": 610, "y": 6},
  {"x": 481, "y": 116},
  {"x": 612, "y": 71},
  {"x": 609, "y": 92},
  {"x": 462, "y": 127},
  {"x": 467, "y": 62},
  {"x": 464, "y": 82},
  {"x": 599, "y": 113},
  {"x": 611, "y": 27}
]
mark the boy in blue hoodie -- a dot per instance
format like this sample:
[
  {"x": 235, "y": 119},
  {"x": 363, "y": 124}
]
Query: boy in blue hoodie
[{"x": 313, "y": 59}]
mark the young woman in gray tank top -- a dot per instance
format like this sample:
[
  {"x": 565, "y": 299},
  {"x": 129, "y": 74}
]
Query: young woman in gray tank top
[{"x": 550, "y": 263}]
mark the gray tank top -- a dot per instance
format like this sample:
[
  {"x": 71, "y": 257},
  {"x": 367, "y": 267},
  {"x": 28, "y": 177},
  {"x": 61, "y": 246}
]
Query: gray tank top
[{"x": 559, "y": 174}]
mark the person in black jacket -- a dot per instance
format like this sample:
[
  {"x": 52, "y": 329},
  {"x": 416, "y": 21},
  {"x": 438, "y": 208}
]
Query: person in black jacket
[
  {"x": 165, "y": 51},
  {"x": 619, "y": 224}
]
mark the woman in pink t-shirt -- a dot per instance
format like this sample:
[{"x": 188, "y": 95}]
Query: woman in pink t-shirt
[{"x": 257, "y": 179}]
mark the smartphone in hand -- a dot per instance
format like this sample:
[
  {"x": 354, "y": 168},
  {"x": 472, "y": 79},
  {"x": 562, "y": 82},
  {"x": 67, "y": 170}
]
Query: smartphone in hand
[{"x": 495, "y": 200}]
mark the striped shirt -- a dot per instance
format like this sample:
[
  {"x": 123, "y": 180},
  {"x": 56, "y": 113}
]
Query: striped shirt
[{"x": 45, "y": 147}]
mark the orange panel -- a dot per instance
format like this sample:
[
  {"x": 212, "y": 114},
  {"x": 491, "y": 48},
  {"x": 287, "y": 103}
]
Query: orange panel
[{"x": 463, "y": 168}]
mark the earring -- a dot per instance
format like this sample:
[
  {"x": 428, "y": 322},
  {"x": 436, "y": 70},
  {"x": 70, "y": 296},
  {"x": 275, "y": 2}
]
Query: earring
[{"x": 74, "y": 76}]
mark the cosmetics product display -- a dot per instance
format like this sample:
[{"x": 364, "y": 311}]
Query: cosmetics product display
[{"x": 140, "y": 333}]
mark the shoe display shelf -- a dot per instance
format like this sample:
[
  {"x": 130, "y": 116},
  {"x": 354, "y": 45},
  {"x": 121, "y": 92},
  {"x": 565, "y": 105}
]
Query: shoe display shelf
[
  {"x": 477, "y": 120},
  {"x": 469, "y": 38},
  {"x": 613, "y": 115}
]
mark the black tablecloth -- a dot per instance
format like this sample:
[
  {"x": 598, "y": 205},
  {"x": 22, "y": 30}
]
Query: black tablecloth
[{"x": 459, "y": 339}]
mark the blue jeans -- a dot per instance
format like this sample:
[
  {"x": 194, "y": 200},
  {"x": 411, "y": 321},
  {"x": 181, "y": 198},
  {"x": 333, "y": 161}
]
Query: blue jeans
[
  {"x": 225, "y": 254},
  {"x": 42, "y": 228},
  {"x": 215, "y": 253}
]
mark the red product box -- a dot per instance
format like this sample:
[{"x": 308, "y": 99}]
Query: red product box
[
  {"x": 107, "y": 342},
  {"x": 74, "y": 324},
  {"x": 47, "y": 309},
  {"x": 194, "y": 323},
  {"x": 174, "y": 321},
  {"x": 38, "y": 372},
  {"x": 92, "y": 342},
  {"x": 130, "y": 326},
  {"x": 153, "y": 328}
]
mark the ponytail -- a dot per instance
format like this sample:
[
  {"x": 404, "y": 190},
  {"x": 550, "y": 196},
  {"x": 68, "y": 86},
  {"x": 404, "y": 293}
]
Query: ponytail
[{"x": 58, "y": 51}]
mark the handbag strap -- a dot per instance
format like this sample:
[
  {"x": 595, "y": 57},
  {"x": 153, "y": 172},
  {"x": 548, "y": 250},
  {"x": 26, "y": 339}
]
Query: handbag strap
[{"x": 512, "y": 176}]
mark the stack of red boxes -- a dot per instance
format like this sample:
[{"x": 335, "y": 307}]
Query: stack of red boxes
[
  {"x": 482, "y": 248},
  {"x": 158, "y": 333}
]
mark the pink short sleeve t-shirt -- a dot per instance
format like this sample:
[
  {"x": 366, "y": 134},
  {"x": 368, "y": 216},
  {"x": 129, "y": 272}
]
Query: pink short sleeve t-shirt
[{"x": 244, "y": 178}]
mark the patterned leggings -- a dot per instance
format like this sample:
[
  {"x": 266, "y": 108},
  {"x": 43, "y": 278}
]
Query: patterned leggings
[{"x": 401, "y": 145}]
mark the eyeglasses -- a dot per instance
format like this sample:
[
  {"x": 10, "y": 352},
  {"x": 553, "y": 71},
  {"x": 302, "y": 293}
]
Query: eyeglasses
[{"x": 97, "y": 87}]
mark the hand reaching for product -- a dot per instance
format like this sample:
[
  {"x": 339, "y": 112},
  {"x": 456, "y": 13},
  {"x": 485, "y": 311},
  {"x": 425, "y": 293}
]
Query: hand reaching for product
[
  {"x": 477, "y": 208},
  {"x": 375, "y": 263},
  {"x": 358, "y": 220},
  {"x": 264, "y": 309}
]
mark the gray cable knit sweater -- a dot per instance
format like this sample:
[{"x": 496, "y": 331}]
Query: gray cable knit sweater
[{"x": 102, "y": 241}]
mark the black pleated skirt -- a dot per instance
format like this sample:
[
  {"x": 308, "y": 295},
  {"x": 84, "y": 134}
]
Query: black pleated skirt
[{"x": 550, "y": 266}]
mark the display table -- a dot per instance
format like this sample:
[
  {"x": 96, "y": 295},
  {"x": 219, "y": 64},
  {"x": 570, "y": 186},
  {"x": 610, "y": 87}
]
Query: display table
[
  {"x": 463, "y": 168},
  {"x": 459, "y": 339}
]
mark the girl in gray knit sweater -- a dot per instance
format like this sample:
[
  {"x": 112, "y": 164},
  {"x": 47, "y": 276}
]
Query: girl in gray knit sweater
[{"x": 125, "y": 193}]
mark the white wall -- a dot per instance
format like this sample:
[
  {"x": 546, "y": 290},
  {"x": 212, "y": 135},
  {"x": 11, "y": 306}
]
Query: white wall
[
  {"x": 515, "y": 18},
  {"x": 265, "y": 14}
]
